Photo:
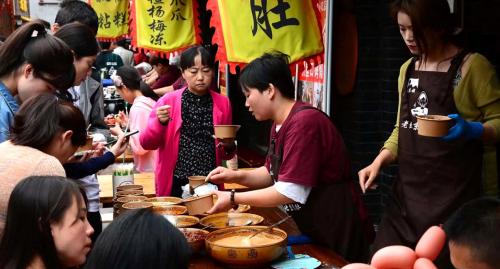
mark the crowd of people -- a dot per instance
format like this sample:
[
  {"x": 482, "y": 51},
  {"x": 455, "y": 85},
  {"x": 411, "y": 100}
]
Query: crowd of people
[{"x": 51, "y": 99}]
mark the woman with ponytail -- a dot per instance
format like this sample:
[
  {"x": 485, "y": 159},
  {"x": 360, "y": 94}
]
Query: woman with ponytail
[{"x": 32, "y": 62}]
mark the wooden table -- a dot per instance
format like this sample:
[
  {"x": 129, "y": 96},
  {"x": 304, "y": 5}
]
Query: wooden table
[
  {"x": 328, "y": 258},
  {"x": 147, "y": 180}
]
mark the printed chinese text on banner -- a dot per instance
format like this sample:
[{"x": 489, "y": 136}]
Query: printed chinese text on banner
[
  {"x": 245, "y": 29},
  {"x": 164, "y": 25},
  {"x": 113, "y": 18}
]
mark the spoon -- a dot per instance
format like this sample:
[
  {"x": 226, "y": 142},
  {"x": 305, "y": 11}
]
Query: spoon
[{"x": 270, "y": 227}]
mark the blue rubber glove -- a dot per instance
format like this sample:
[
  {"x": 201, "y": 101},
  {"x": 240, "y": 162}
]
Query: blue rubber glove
[{"x": 463, "y": 128}]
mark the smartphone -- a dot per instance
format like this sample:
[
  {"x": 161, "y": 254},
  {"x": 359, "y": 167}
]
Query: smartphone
[
  {"x": 112, "y": 141},
  {"x": 131, "y": 133}
]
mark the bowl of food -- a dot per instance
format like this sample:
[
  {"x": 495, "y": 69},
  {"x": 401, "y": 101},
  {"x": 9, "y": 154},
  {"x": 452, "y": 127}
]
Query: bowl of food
[
  {"x": 182, "y": 221},
  {"x": 225, "y": 220},
  {"x": 165, "y": 200},
  {"x": 195, "y": 238},
  {"x": 135, "y": 205},
  {"x": 197, "y": 205},
  {"x": 225, "y": 131},
  {"x": 433, "y": 125},
  {"x": 170, "y": 209},
  {"x": 234, "y": 246}
]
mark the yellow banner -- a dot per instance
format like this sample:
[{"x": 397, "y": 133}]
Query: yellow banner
[
  {"x": 113, "y": 18},
  {"x": 164, "y": 25},
  {"x": 251, "y": 27}
]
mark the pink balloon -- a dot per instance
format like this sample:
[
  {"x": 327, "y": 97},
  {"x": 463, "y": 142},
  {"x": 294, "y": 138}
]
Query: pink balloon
[
  {"x": 431, "y": 243},
  {"x": 394, "y": 257},
  {"x": 424, "y": 263},
  {"x": 358, "y": 266}
]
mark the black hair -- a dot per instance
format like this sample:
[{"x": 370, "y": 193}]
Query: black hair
[
  {"x": 35, "y": 203},
  {"x": 122, "y": 43},
  {"x": 156, "y": 60},
  {"x": 187, "y": 57},
  {"x": 476, "y": 225},
  {"x": 79, "y": 38},
  {"x": 51, "y": 58},
  {"x": 131, "y": 78},
  {"x": 42, "y": 117},
  {"x": 76, "y": 10},
  {"x": 270, "y": 68},
  {"x": 105, "y": 45},
  {"x": 427, "y": 16},
  {"x": 140, "y": 239}
]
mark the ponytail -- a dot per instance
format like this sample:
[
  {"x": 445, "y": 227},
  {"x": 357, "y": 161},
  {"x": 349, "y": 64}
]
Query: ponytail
[{"x": 51, "y": 58}]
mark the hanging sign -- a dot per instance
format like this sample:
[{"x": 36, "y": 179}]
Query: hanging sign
[
  {"x": 245, "y": 29},
  {"x": 164, "y": 25},
  {"x": 113, "y": 18}
]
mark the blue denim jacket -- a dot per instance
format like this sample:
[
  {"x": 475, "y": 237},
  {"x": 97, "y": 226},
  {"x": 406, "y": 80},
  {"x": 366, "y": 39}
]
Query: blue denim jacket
[{"x": 8, "y": 107}]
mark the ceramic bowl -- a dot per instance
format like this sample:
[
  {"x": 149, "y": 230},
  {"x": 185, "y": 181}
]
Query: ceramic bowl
[
  {"x": 170, "y": 209},
  {"x": 225, "y": 220},
  {"x": 182, "y": 221},
  {"x": 130, "y": 187},
  {"x": 233, "y": 246},
  {"x": 165, "y": 200},
  {"x": 195, "y": 238}
]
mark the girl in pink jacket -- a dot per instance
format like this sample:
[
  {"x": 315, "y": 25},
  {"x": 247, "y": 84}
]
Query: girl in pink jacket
[
  {"x": 181, "y": 124},
  {"x": 128, "y": 84}
]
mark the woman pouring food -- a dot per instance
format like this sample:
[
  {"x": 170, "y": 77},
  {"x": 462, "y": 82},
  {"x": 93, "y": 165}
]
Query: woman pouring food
[
  {"x": 436, "y": 175},
  {"x": 307, "y": 170}
]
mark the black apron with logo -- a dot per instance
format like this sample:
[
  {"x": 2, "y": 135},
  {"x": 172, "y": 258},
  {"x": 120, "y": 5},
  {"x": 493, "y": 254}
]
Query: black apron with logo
[
  {"x": 332, "y": 215},
  {"x": 435, "y": 177}
]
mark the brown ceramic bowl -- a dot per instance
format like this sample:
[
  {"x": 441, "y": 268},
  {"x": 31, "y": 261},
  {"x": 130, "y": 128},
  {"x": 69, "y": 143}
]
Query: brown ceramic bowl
[
  {"x": 233, "y": 246},
  {"x": 182, "y": 221},
  {"x": 225, "y": 220},
  {"x": 197, "y": 205},
  {"x": 129, "y": 193},
  {"x": 131, "y": 187},
  {"x": 195, "y": 181},
  {"x": 195, "y": 238},
  {"x": 433, "y": 125},
  {"x": 165, "y": 200},
  {"x": 226, "y": 131},
  {"x": 126, "y": 199},
  {"x": 135, "y": 205},
  {"x": 170, "y": 209}
]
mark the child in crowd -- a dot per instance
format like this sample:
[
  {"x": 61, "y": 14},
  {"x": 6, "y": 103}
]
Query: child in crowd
[
  {"x": 130, "y": 86},
  {"x": 473, "y": 235},
  {"x": 46, "y": 225},
  {"x": 32, "y": 62},
  {"x": 140, "y": 239}
]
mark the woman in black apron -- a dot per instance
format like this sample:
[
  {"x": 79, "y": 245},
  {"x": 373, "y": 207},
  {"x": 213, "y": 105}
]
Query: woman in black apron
[
  {"x": 436, "y": 175},
  {"x": 307, "y": 171}
]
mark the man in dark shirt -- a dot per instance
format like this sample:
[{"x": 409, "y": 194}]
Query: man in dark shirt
[
  {"x": 167, "y": 74},
  {"x": 107, "y": 62}
]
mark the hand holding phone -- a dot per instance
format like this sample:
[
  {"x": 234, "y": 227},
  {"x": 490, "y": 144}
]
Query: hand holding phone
[{"x": 121, "y": 145}]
